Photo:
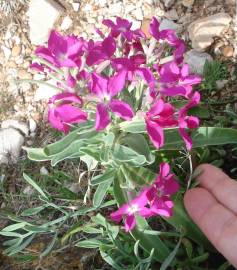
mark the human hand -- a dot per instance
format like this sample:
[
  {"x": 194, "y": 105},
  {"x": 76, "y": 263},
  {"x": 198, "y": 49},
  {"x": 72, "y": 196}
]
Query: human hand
[{"x": 213, "y": 207}]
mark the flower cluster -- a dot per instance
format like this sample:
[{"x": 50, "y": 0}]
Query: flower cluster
[
  {"x": 98, "y": 72},
  {"x": 121, "y": 76},
  {"x": 152, "y": 201}
]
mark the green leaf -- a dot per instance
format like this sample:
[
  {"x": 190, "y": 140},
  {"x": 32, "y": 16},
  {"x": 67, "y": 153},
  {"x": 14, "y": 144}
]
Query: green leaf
[
  {"x": 34, "y": 185},
  {"x": 108, "y": 175},
  {"x": 167, "y": 262},
  {"x": 113, "y": 230},
  {"x": 110, "y": 260},
  {"x": 85, "y": 131},
  {"x": 134, "y": 126},
  {"x": 182, "y": 222},
  {"x": 72, "y": 151},
  {"x": 90, "y": 243},
  {"x": 147, "y": 241},
  {"x": 22, "y": 246},
  {"x": 123, "y": 154},
  {"x": 91, "y": 163},
  {"x": 101, "y": 192},
  {"x": 138, "y": 143},
  {"x": 50, "y": 246},
  {"x": 36, "y": 154},
  {"x": 138, "y": 175},
  {"x": 203, "y": 136},
  {"x": 33, "y": 211},
  {"x": 14, "y": 227}
]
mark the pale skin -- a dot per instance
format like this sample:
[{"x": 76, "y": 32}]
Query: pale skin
[{"x": 213, "y": 207}]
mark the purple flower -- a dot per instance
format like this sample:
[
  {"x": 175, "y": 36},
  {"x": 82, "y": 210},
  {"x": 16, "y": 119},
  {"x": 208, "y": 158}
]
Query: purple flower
[
  {"x": 188, "y": 122},
  {"x": 62, "y": 111},
  {"x": 123, "y": 27},
  {"x": 101, "y": 52},
  {"x": 105, "y": 89},
  {"x": 170, "y": 37},
  {"x": 137, "y": 206},
  {"x": 157, "y": 34},
  {"x": 175, "y": 80},
  {"x": 159, "y": 193},
  {"x": 62, "y": 51},
  {"x": 160, "y": 116},
  {"x": 155, "y": 200},
  {"x": 133, "y": 67}
]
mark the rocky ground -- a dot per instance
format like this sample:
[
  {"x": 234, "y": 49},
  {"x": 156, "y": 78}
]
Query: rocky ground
[{"x": 208, "y": 27}]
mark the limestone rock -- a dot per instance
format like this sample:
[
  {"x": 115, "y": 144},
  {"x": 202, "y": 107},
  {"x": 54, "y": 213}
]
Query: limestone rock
[
  {"x": 11, "y": 123},
  {"x": 196, "y": 60},
  {"x": 45, "y": 92},
  {"x": 42, "y": 16},
  {"x": 202, "y": 31},
  {"x": 168, "y": 3},
  {"x": 11, "y": 142},
  {"x": 168, "y": 24},
  {"x": 67, "y": 23}
]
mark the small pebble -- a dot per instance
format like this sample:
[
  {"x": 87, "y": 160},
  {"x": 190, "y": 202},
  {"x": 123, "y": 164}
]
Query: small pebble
[
  {"x": 24, "y": 75},
  {"x": 228, "y": 51},
  {"x": 16, "y": 50}
]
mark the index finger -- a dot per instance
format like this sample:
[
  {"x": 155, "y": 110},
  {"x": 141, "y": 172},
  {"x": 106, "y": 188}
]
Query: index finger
[{"x": 223, "y": 188}]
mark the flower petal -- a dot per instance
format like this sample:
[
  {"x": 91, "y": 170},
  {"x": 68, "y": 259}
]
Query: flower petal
[
  {"x": 154, "y": 28},
  {"x": 130, "y": 223},
  {"x": 66, "y": 97},
  {"x": 118, "y": 215},
  {"x": 70, "y": 114},
  {"x": 156, "y": 134},
  {"x": 121, "y": 109},
  {"x": 102, "y": 117},
  {"x": 109, "y": 46},
  {"x": 117, "y": 82},
  {"x": 99, "y": 85}
]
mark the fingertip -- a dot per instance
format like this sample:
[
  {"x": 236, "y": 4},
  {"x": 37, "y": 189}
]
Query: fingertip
[
  {"x": 209, "y": 175},
  {"x": 197, "y": 201}
]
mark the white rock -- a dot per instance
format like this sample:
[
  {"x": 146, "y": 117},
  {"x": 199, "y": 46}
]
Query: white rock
[
  {"x": 29, "y": 191},
  {"x": 42, "y": 16},
  {"x": 67, "y": 23},
  {"x": 101, "y": 3},
  {"x": 196, "y": 60},
  {"x": 88, "y": 7},
  {"x": 74, "y": 187},
  {"x": 136, "y": 24},
  {"x": 7, "y": 52},
  {"x": 11, "y": 142},
  {"x": 188, "y": 3},
  {"x": 32, "y": 125},
  {"x": 220, "y": 84},
  {"x": 11, "y": 123},
  {"x": 168, "y": 24},
  {"x": 172, "y": 15},
  {"x": 76, "y": 6},
  {"x": 137, "y": 13},
  {"x": 202, "y": 31},
  {"x": 45, "y": 92},
  {"x": 129, "y": 8},
  {"x": 44, "y": 171},
  {"x": 168, "y": 3},
  {"x": 116, "y": 8}
]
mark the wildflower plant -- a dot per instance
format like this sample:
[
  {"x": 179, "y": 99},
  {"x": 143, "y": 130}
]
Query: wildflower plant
[{"x": 122, "y": 102}]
